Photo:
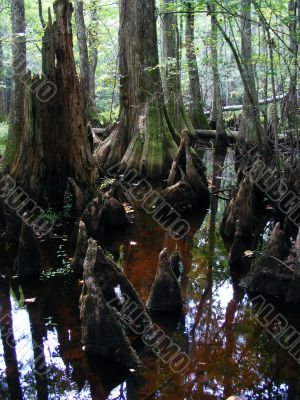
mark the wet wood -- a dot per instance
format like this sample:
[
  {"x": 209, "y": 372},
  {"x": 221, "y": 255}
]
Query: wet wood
[
  {"x": 102, "y": 334},
  {"x": 165, "y": 294},
  {"x": 54, "y": 146},
  {"x": 29, "y": 259}
]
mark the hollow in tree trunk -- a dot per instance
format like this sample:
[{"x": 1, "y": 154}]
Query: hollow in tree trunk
[
  {"x": 54, "y": 146},
  {"x": 142, "y": 139}
]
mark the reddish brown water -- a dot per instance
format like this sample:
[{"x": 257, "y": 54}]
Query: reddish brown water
[{"x": 230, "y": 353}]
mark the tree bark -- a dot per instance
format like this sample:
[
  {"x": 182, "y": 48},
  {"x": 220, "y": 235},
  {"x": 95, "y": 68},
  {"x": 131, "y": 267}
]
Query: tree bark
[
  {"x": 292, "y": 103},
  {"x": 247, "y": 125},
  {"x": 16, "y": 124},
  {"x": 54, "y": 146},
  {"x": 258, "y": 126},
  {"x": 171, "y": 70},
  {"x": 216, "y": 117},
  {"x": 196, "y": 111},
  {"x": 93, "y": 59},
  {"x": 83, "y": 51},
  {"x": 3, "y": 107},
  {"x": 43, "y": 23},
  {"x": 143, "y": 138}
]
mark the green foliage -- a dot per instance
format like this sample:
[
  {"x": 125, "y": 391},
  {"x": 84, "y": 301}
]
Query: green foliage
[
  {"x": 107, "y": 117},
  {"x": 67, "y": 207},
  {"x": 3, "y": 135},
  {"x": 50, "y": 213},
  {"x": 64, "y": 270},
  {"x": 106, "y": 184}
]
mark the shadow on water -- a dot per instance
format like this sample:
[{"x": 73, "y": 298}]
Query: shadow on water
[{"x": 230, "y": 353}]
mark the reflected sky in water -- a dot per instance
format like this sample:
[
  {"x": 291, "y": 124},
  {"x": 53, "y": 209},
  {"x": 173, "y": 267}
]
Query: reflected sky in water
[{"x": 229, "y": 351}]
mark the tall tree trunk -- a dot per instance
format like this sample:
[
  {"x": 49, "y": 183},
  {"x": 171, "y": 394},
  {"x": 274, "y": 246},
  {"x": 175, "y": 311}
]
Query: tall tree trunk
[
  {"x": 3, "y": 107},
  {"x": 43, "y": 23},
  {"x": 292, "y": 104},
  {"x": 83, "y": 51},
  {"x": 93, "y": 58},
  {"x": 196, "y": 111},
  {"x": 171, "y": 70},
  {"x": 247, "y": 123},
  {"x": 216, "y": 117},
  {"x": 217, "y": 105},
  {"x": 55, "y": 145},
  {"x": 142, "y": 139},
  {"x": 16, "y": 125},
  {"x": 243, "y": 73}
]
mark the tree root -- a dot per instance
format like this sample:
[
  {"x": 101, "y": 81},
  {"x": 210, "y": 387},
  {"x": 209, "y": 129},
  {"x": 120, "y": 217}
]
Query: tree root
[
  {"x": 165, "y": 294},
  {"x": 102, "y": 334}
]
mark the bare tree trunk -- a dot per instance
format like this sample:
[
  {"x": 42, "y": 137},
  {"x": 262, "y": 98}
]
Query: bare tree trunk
[
  {"x": 171, "y": 70},
  {"x": 292, "y": 104},
  {"x": 216, "y": 117},
  {"x": 196, "y": 111},
  {"x": 54, "y": 146},
  {"x": 275, "y": 110},
  {"x": 256, "y": 116},
  {"x": 16, "y": 125},
  {"x": 217, "y": 105},
  {"x": 83, "y": 51},
  {"x": 3, "y": 107},
  {"x": 142, "y": 139},
  {"x": 247, "y": 123},
  {"x": 43, "y": 23},
  {"x": 93, "y": 58}
]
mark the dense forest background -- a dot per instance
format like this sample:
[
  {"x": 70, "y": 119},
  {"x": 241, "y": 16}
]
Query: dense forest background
[{"x": 265, "y": 38}]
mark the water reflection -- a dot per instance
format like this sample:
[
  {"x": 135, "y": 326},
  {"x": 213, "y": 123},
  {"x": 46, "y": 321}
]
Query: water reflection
[{"x": 230, "y": 352}]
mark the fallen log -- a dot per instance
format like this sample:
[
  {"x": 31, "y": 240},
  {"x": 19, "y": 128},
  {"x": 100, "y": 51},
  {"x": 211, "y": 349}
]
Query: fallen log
[{"x": 239, "y": 107}]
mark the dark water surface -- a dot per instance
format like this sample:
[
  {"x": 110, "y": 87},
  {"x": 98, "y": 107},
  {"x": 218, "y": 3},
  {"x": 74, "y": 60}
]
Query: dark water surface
[{"x": 230, "y": 352}]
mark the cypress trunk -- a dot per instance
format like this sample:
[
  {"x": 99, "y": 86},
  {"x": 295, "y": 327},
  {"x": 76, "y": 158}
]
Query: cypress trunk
[
  {"x": 196, "y": 111},
  {"x": 54, "y": 146},
  {"x": 247, "y": 124},
  {"x": 3, "y": 108},
  {"x": 93, "y": 59},
  {"x": 16, "y": 123},
  {"x": 171, "y": 70},
  {"x": 142, "y": 139},
  {"x": 83, "y": 50}
]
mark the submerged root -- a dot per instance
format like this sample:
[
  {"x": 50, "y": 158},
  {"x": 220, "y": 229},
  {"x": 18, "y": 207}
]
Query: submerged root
[
  {"x": 29, "y": 259},
  {"x": 277, "y": 271},
  {"x": 102, "y": 214},
  {"x": 187, "y": 187},
  {"x": 165, "y": 294},
  {"x": 81, "y": 249},
  {"x": 110, "y": 277},
  {"x": 102, "y": 334}
]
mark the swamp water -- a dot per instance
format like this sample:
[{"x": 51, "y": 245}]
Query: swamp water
[{"x": 230, "y": 352}]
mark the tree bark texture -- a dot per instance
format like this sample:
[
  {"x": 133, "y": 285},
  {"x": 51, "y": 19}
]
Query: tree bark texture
[
  {"x": 83, "y": 50},
  {"x": 16, "y": 124},
  {"x": 196, "y": 111},
  {"x": 54, "y": 146},
  {"x": 171, "y": 70},
  {"x": 142, "y": 139}
]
